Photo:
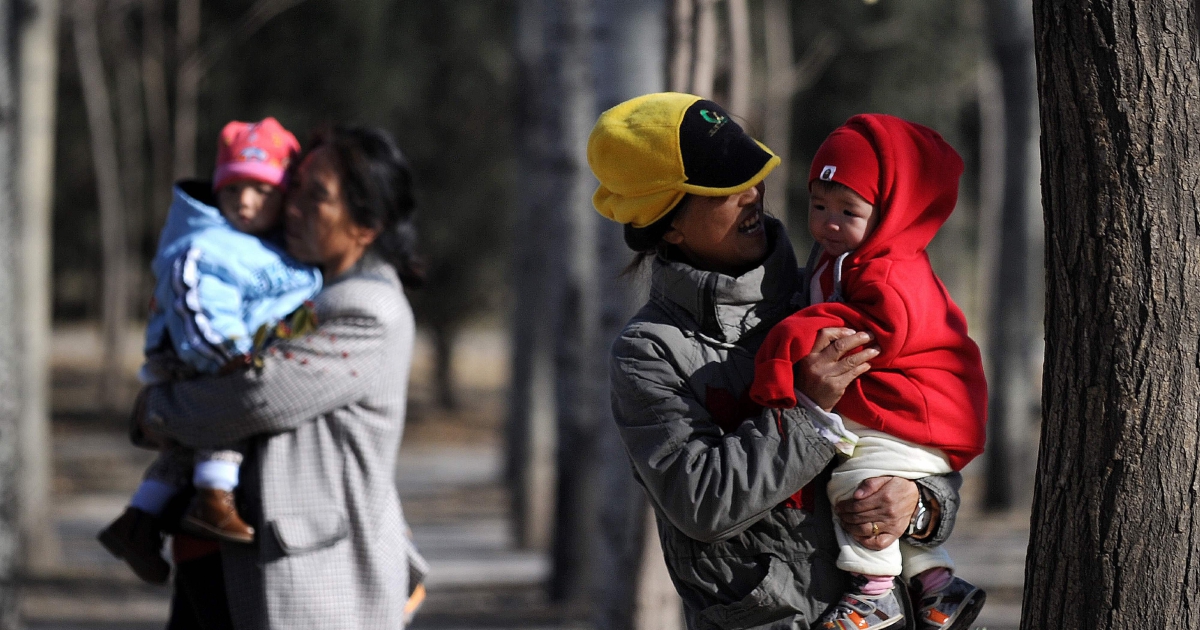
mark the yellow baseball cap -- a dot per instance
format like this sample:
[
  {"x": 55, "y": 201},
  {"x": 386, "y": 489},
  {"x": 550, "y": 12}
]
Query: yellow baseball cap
[{"x": 650, "y": 151}]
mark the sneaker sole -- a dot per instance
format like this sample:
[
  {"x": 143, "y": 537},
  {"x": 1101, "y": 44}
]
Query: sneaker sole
[
  {"x": 968, "y": 611},
  {"x": 201, "y": 529}
]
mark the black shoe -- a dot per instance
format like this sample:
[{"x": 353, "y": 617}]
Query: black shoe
[{"x": 136, "y": 537}]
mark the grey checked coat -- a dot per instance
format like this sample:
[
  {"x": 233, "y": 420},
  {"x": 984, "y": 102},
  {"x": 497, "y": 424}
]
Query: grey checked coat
[
  {"x": 739, "y": 555},
  {"x": 323, "y": 419}
]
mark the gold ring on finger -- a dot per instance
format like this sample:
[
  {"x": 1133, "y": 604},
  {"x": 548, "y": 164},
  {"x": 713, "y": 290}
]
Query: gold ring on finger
[{"x": 874, "y": 529}]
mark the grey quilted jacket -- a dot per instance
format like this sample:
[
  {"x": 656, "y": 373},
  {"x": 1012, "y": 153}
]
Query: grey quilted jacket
[
  {"x": 323, "y": 419},
  {"x": 742, "y": 513}
]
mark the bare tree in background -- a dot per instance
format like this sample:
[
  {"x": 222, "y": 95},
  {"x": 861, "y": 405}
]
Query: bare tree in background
[
  {"x": 580, "y": 397},
  {"x": 1114, "y": 537},
  {"x": 631, "y": 586},
  {"x": 704, "y": 72},
  {"x": 10, "y": 325},
  {"x": 38, "y": 76},
  {"x": 741, "y": 62},
  {"x": 1010, "y": 421},
  {"x": 115, "y": 250},
  {"x": 786, "y": 78},
  {"x": 158, "y": 113},
  {"x": 683, "y": 14}
]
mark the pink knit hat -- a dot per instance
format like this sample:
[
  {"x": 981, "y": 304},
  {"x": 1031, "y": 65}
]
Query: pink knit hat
[{"x": 259, "y": 151}]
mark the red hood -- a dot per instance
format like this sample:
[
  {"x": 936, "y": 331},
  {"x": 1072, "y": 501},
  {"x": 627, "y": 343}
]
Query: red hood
[{"x": 918, "y": 185}]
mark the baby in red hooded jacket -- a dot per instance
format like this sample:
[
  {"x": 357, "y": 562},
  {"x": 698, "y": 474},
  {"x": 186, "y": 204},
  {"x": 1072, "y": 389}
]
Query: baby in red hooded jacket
[{"x": 880, "y": 189}]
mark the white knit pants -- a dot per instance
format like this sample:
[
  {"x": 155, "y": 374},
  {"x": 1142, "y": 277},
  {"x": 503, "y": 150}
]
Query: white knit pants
[{"x": 881, "y": 455}]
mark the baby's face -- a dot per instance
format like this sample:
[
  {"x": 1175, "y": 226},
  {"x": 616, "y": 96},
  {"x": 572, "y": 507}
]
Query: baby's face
[
  {"x": 839, "y": 219},
  {"x": 251, "y": 206}
]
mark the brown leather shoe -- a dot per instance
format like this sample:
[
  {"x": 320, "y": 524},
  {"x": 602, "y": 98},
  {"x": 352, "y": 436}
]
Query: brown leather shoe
[
  {"x": 213, "y": 515},
  {"x": 136, "y": 537}
]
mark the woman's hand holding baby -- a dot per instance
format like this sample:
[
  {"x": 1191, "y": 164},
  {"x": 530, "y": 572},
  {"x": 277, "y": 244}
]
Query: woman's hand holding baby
[
  {"x": 879, "y": 512},
  {"x": 828, "y": 370}
]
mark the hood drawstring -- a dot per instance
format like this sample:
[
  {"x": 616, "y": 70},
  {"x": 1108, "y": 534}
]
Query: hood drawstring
[{"x": 837, "y": 278}]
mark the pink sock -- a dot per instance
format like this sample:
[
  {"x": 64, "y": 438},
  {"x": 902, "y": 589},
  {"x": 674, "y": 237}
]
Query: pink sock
[
  {"x": 876, "y": 584},
  {"x": 934, "y": 579}
]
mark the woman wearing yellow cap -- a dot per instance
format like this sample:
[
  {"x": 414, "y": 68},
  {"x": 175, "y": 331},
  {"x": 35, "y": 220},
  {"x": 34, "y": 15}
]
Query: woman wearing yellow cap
[{"x": 738, "y": 491}]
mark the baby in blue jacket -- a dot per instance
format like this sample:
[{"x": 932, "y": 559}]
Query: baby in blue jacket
[{"x": 221, "y": 276}]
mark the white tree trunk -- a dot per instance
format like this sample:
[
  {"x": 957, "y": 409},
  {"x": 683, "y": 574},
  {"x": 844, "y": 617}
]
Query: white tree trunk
[
  {"x": 682, "y": 44},
  {"x": 108, "y": 187},
  {"x": 704, "y": 73},
  {"x": 38, "y": 51},
  {"x": 741, "y": 65}
]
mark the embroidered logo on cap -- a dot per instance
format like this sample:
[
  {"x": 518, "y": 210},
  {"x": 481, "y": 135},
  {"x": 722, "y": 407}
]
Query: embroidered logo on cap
[
  {"x": 827, "y": 173},
  {"x": 716, "y": 119}
]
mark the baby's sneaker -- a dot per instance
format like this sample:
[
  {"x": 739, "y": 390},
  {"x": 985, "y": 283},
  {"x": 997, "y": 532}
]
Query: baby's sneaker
[
  {"x": 952, "y": 607},
  {"x": 856, "y": 611},
  {"x": 212, "y": 514}
]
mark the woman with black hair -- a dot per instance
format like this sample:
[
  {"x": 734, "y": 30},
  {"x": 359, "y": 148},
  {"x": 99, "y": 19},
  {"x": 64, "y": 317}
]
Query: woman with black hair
[{"x": 322, "y": 410}]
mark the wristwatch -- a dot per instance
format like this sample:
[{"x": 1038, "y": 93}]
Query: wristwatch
[{"x": 918, "y": 526}]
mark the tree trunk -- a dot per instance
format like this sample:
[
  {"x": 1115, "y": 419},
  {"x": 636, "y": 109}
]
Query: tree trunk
[
  {"x": 1114, "y": 531},
  {"x": 1010, "y": 423},
  {"x": 537, "y": 276},
  {"x": 187, "y": 86},
  {"x": 704, "y": 73},
  {"x": 38, "y": 51},
  {"x": 108, "y": 187},
  {"x": 131, "y": 131},
  {"x": 683, "y": 42},
  {"x": 740, "y": 59},
  {"x": 158, "y": 116},
  {"x": 570, "y": 32},
  {"x": 10, "y": 324},
  {"x": 443, "y": 361},
  {"x": 632, "y": 589}
]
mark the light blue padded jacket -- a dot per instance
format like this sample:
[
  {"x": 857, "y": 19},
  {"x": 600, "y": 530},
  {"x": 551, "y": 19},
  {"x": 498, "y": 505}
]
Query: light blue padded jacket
[{"x": 215, "y": 286}]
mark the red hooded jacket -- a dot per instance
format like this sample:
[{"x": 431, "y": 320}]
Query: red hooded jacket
[{"x": 927, "y": 386}]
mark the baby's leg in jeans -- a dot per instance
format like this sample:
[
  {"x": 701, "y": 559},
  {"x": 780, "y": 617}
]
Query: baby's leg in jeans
[
  {"x": 217, "y": 469},
  {"x": 170, "y": 472}
]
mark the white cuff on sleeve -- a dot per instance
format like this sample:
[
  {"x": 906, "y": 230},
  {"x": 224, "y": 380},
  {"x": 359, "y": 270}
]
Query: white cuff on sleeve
[{"x": 830, "y": 426}]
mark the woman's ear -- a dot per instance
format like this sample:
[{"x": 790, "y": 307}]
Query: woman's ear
[
  {"x": 673, "y": 236},
  {"x": 364, "y": 236}
]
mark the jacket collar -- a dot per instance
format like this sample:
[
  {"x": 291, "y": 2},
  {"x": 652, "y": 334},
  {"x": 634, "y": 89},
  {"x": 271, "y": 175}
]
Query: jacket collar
[{"x": 726, "y": 308}]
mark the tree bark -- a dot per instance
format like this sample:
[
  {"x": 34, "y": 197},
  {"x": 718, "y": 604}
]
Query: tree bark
[
  {"x": 10, "y": 324},
  {"x": 740, "y": 59},
  {"x": 1010, "y": 424},
  {"x": 108, "y": 187},
  {"x": 1116, "y": 525},
  {"x": 38, "y": 51},
  {"x": 131, "y": 128}
]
